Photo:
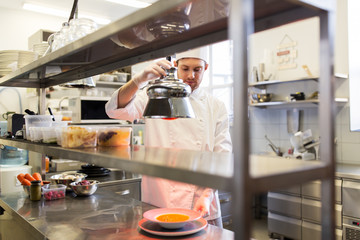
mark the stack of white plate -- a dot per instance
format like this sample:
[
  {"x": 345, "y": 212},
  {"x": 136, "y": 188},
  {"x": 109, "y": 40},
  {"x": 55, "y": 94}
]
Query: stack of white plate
[
  {"x": 11, "y": 60},
  {"x": 40, "y": 48},
  {"x": 26, "y": 57},
  {"x": 7, "y": 58}
]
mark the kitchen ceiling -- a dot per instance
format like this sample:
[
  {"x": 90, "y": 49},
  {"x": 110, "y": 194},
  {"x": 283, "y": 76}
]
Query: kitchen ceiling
[{"x": 96, "y": 8}]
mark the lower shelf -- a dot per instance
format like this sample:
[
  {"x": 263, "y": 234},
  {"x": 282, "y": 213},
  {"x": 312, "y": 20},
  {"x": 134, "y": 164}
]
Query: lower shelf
[{"x": 202, "y": 168}]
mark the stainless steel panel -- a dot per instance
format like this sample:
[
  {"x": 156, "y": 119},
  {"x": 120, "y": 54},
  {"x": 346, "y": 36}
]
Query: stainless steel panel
[
  {"x": 313, "y": 190},
  {"x": 311, "y": 210},
  {"x": 227, "y": 222},
  {"x": 285, "y": 226},
  {"x": 284, "y": 204},
  {"x": 132, "y": 190},
  {"x": 202, "y": 168},
  {"x": 225, "y": 203},
  {"x": 313, "y": 231},
  {"x": 351, "y": 228},
  {"x": 295, "y": 190},
  {"x": 351, "y": 196}
]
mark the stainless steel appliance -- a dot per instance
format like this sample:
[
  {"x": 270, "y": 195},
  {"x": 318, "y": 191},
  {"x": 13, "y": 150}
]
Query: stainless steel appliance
[
  {"x": 351, "y": 214},
  {"x": 295, "y": 212},
  {"x": 87, "y": 109}
]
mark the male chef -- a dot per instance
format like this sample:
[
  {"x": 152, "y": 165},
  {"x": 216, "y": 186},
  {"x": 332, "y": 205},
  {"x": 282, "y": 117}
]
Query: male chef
[{"x": 208, "y": 131}]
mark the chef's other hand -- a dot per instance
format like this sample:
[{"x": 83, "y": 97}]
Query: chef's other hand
[
  {"x": 151, "y": 72},
  {"x": 202, "y": 205}
]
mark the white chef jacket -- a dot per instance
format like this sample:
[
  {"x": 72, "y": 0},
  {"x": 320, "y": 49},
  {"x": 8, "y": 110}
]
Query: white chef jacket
[{"x": 208, "y": 131}]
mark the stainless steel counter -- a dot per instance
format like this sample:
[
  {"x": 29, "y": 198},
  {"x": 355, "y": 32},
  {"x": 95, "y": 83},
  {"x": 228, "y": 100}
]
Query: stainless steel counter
[
  {"x": 103, "y": 215},
  {"x": 351, "y": 171}
]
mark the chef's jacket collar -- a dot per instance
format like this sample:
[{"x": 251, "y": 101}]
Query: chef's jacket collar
[
  {"x": 198, "y": 93},
  {"x": 195, "y": 93}
]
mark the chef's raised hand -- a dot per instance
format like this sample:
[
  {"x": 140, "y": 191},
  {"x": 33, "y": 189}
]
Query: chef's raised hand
[{"x": 151, "y": 72}]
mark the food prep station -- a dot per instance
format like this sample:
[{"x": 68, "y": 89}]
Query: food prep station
[
  {"x": 242, "y": 174},
  {"x": 104, "y": 215}
]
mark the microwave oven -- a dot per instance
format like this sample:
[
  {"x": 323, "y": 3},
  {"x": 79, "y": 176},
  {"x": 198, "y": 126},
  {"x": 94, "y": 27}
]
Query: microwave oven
[{"x": 86, "y": 109}]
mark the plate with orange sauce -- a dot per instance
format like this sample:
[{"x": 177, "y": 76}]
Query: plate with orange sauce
[
  {"x": 172, "y": 222},
  {"x": 171, "y": 218}
]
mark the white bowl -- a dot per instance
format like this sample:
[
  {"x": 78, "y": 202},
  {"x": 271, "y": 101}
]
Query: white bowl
[{"x": 155, "y": 215}]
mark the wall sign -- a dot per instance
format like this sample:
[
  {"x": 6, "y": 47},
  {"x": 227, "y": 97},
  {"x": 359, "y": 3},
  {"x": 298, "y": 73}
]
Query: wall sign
[{"x": 286, "y": 53}]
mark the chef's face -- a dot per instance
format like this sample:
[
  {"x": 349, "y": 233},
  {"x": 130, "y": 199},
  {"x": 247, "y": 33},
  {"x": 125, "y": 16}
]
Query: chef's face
[{"x": 191, "y": 71}]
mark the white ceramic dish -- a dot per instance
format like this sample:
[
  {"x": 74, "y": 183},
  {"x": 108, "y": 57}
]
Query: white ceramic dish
[
  {"x": 155, "y": 214},
  {"x": 156, "y": 229}
]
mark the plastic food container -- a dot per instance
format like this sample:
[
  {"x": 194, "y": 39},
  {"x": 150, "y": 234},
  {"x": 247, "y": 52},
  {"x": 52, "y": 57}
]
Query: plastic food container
[
  {"x": 53, "y": 192},
  {"x": 58, "y": 132},
  {"x": 60, "y": 123},
  {"x": 121, "y": 77},
  {"x": 35, "y": 134},
  {"x": 78, "y": 137},
  {"x": 114, "y": 136},
  {"x": 36, "y": 121},
  {"x": 49, "y": 135}
]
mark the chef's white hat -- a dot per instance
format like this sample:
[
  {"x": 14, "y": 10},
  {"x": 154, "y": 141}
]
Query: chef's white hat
[{"x": 201, "y": 53}]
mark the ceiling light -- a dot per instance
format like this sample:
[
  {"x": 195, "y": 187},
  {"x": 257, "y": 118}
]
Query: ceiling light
[
  {"x": 62, "y": 13},
  {"x": 132, "y": 3}
]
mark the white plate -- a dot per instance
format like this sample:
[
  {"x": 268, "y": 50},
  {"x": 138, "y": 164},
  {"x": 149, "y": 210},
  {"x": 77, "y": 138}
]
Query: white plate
[
  {"x": 153, "y": 214},
  {"x": 156, "y": 229}
]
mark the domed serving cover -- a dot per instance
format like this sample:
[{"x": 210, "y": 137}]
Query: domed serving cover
[{"x": 168, "y": 98}]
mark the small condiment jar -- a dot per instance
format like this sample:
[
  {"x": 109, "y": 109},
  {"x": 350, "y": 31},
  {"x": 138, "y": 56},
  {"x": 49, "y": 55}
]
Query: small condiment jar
[{"x": 35, "y": 190}]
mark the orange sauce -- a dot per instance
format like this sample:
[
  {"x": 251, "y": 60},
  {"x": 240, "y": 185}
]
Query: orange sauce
[{"x": 172, "y": 217}]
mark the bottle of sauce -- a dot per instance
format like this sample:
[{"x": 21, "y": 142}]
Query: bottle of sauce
[{"x": 35, "y": 190}]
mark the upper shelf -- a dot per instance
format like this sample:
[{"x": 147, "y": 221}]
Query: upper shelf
[
  {"x": 262, "y": 83},
  {"x": 109, "y": 84},
  {"x": 162, "y": 29},
  {"x": 293, "y": 104},
  {"x": 201, "y": 168}
]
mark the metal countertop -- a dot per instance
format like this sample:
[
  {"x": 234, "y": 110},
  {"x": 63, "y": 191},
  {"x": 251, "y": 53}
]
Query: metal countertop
[
  {"x": 103, "y": 215},
  {"x": 350, "y": 171}
]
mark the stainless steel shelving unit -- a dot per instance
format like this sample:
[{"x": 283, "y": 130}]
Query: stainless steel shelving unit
[
  {"x": 239, "y": 172},
  {"x": 297, "y": 104},
  {"x": 271, "y": 82}
]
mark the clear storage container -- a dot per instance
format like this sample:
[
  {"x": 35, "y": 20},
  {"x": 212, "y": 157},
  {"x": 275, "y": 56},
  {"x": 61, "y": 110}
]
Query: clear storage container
[
  {"x": 53, "y": 192},
  {"x": 114, "y": 136},
  {"x": 78, "y": 137},
  {"x": 35, "y": 134},
  {"x": 36, "y": 121},
  {"x": 50, "y": 134}
]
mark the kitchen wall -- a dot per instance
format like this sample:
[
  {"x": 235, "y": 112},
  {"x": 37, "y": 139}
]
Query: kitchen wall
[
  {"x": 272, "y": 122},
  {"x": 16, "y": 27}
]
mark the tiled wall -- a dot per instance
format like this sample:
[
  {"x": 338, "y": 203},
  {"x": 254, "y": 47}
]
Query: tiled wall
[{"x": 272, "y": 122}]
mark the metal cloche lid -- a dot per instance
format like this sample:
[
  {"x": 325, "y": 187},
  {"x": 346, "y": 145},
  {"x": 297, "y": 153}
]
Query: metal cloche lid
[
  {"x": 168, "y": 98},
  {"x": 168, "y": 87}
]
